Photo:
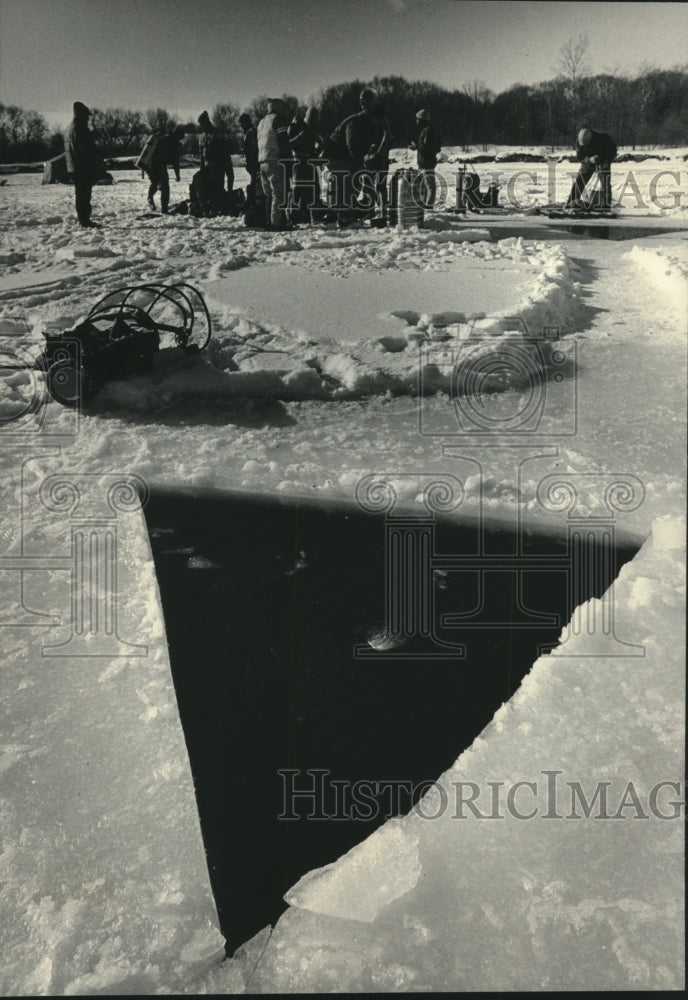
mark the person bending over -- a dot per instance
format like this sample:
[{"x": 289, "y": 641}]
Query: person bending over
[{"x": 595, "y": 151}]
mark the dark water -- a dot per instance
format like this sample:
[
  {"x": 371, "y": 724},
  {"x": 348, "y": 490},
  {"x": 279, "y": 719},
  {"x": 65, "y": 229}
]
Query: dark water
[
  {"x": 262, "y": 635},
  {"x": 581, "y": 230}
]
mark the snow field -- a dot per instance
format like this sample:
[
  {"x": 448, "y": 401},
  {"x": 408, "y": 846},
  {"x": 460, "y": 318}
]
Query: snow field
[{"x": 285, "y": 405}]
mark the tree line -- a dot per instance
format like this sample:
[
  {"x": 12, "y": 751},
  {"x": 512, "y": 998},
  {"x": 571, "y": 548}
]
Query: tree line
[{"x": 650, "y": 108}]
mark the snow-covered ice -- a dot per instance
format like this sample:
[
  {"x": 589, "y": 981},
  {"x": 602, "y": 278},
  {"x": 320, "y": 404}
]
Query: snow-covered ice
[
  {"x": 332, "y": 359},
  {"x": 101, "y": 838}
]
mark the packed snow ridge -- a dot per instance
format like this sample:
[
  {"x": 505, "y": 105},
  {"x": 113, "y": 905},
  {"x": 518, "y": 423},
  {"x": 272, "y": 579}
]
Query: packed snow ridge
[{"x": 365, "y": 350}]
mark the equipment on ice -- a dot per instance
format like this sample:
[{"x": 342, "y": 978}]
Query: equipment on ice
[
  {"x": 120, "y": 336},
  {"x": 405, "y": 198},
  {"x": 55, "y": 170},
  {"x": 592, "y": 205},
  {"x": 578, "y": 213},
  {"x": 589, "y": 207},
  {"x": 469, "y": 197}
]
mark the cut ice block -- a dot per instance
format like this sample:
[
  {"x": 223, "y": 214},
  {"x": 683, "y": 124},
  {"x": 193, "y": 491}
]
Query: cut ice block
[{"x": 106, "y": 886}]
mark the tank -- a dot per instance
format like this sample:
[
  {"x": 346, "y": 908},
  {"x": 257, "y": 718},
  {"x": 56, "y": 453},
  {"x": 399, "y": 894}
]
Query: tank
[{"x": 405, "y": 198}]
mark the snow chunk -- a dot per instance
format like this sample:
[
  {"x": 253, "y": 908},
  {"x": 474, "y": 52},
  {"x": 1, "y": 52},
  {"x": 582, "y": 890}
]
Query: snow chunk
[
  {"x": 304, "y": 383},
  {"x": 668, "y": 271},
  {"x": 275, "y": 361},
  {"x": 366, "y": 880},
  {"x": 669, "y": 533}
]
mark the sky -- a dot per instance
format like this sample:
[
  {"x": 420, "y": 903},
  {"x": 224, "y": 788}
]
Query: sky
[{"x": 188, "y": 55}]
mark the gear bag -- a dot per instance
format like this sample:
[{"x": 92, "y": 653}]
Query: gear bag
[{"x": 150, "y": 146}]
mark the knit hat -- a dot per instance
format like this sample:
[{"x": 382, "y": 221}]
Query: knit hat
[
  {"x": 584, "y": 137},
  {"x": 245, "y": 119},
  {"x": 423, "y": 115},
  {"x": 81, "y": 109},
  {"x": 204, "y": 119}
]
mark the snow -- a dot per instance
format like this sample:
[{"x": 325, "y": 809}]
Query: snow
[
  {"x": 369, "y": 878},
  {"x": 320, "y": 315},
  {"x": 102, "y": 847},
  {"x": 332, "y": 358},
  {"x": 668, "y": 272}
]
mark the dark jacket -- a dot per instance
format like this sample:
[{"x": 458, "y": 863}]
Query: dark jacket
[
  {"x": 377, "y": 157},
  {"x": 215, "y": 155},
  {"x": 212, "y": 150},
  {"x": 302, "y": 139},
  {"x": 359, "y": 135},
  {"x": 251, "y": 151},
  {"x": 166, "y": 153},
  {"x": 601, "y": 145},
  {"x": 83, "y": 159},
  {"x": 351, "y": 140},
  {"x": 428, "y": 146}
]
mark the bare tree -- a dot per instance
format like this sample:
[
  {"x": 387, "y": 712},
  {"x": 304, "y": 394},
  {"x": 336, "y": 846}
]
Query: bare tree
[
  {"x": 118, "y": 130},
  {"x": 478, "y": 91},
  {"x": 573, "y": 68},
  {"x": 572, "y": 55},
  {"x": 22, "y": 133},
  {"x": 12, "y": 118},
  {"x": 481, "y": 98},
  {"x": 226, "y": 118},
  {"x": 160, "y": 120}
]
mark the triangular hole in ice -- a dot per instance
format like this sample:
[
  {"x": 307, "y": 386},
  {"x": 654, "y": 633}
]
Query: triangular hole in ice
[{"x": 264, "y": 602}]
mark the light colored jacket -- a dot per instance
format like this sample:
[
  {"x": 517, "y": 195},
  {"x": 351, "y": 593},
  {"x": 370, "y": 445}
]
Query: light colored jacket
[{"x": 273, "y": 144}]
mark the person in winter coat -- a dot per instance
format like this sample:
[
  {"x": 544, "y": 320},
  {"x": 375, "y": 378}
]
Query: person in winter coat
[
  {"x": 305, "y": 142},
  {"x": 166, "y": 153},
  {"x": 274, "y": 157},
  {"x": 595, "y": 152},
  {"x": 251, "y": 157},
  {"x": 349, "y": 145},
  {"x": 216, "y": 162},
  {"x": 377, "y": 160},
  {"x": 84, "y": 163},
  {"x": 427, "y": 148},
  {"x": 360, "y": 130}
]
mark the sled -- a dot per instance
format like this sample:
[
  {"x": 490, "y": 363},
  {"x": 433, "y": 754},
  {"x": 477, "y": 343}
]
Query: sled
[
  {"x": 584, "y": 213},
  {"x": 589, "y": 207},
  {"x": 120, "y": 336}
]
